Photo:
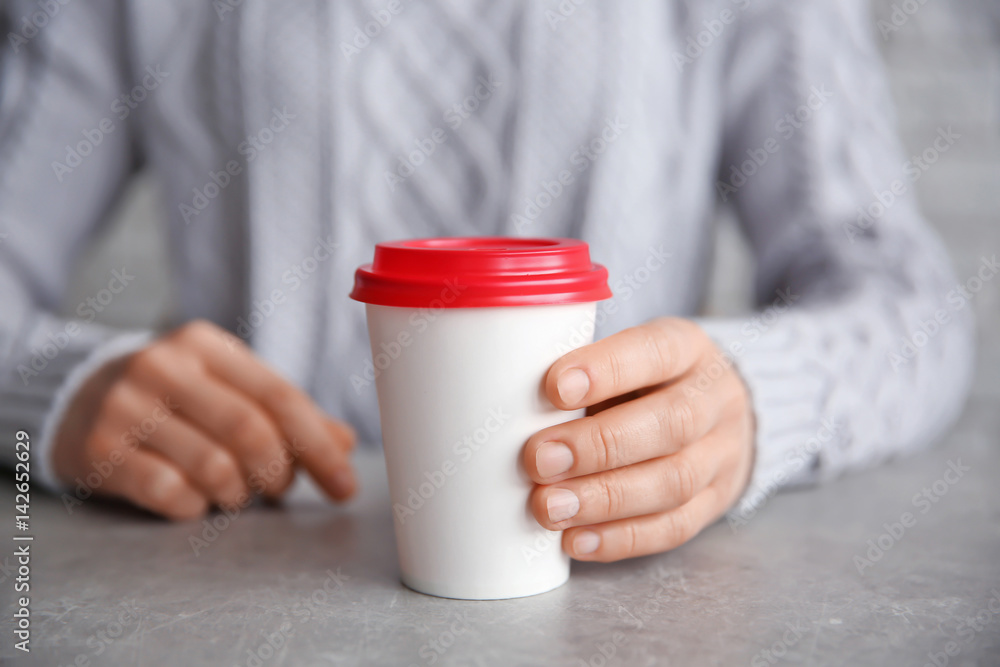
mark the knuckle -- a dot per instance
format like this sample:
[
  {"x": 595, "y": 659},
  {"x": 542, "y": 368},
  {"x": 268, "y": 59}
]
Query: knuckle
[
  {"x": 665, "y": 349},
  {"x": 678, "y": 529},
  {"x": 195, "y": 330},
  {"x": 698, "y": 336},
  {"x": 630, "y": 539},
  {"x": 217, "y": 469},
  {"x": 616, "y": 370},
  {"x": 99, "y": 445},
  {"x": 652, "y": 338},
  {"x": 678, "y": 421},
  {"x": 153, "y": 360},
  {"x": 281, "y": 397},
  {"x": 614, "y": 496},
  {"x": 345, "y": 434},
  {"x": 606, "y": 445},
  {"x": 242, "y": 425},
  {"x": 682, "y": 481},
  {"x": 282, "y": 480},
  {"x": 167, "y": 489},
  {"x": 271, "y": 474},
  {"x": 117, "y": 400}
]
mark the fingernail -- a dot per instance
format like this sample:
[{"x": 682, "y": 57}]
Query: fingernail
[
  {"x": 164, "y": 485},
  {"x": 562, "y": 504},
  {"x": 586, "y": 542},
  {"x": 553, "y": 458},
  {"x": 572, "y": 386},
  {"x": 343, "y": 482}
]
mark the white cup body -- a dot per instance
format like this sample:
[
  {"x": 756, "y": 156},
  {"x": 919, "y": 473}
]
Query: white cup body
[{"x": 460, "y": 392}]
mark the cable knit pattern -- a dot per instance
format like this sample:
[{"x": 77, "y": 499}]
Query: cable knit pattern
[
  {"x": 828, "y": 394},
  {"x": 612, "y": 95}
]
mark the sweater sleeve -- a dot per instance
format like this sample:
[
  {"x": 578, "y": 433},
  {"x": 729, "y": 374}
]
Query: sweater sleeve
[
  {"x": 862, "y": 346},
  {"x": 65, "y": 154}
]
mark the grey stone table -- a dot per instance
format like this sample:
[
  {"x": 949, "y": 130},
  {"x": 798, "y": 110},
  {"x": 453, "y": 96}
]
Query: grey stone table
[{"x": 313, "y": 584}]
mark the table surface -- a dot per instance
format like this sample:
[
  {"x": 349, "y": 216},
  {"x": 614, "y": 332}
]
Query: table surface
[{"x": 308, "y": 583}]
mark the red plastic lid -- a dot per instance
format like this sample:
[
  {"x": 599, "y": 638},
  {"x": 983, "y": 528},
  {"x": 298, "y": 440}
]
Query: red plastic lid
[{"x": 480, "y": 272}]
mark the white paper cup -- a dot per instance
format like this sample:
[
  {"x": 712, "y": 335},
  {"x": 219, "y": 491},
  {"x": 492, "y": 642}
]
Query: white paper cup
[{"x": 460, "y": 392}]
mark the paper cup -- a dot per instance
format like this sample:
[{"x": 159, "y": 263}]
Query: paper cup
[{"x": 462, "y": 333}]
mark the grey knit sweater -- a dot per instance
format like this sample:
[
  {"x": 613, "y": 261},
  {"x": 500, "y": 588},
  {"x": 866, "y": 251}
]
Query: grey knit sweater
[{"x": 290, "y": 137}]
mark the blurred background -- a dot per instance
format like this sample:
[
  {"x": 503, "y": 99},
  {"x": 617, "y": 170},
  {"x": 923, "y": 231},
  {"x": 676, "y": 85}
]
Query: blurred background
[{"x": 944, "y": 70}]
